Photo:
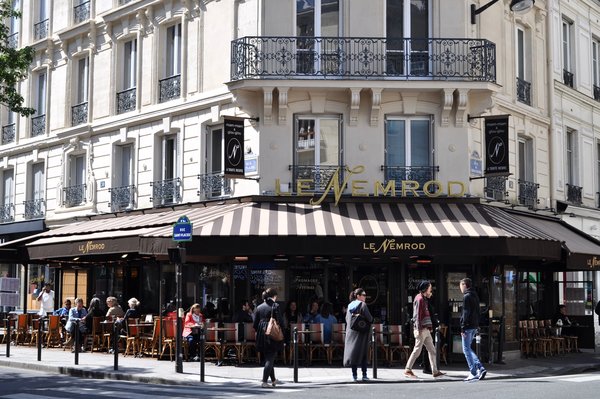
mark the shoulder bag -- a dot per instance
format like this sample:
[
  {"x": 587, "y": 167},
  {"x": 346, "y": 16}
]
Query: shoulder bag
[
  {"x": 359, "y": 323},
  {"x": 273, "y": 329}
]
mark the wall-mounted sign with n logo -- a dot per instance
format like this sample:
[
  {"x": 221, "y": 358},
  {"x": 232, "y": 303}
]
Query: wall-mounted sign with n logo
[
  {"x": 496, "y": 143},
  {"x": 234, "y": 147}
]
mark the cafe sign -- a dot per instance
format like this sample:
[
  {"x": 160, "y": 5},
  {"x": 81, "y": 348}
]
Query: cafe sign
[
  {"x": 90, "y": 247},
  {"x": 593, "y": 262},
  {"x": 390, "y": 245}
]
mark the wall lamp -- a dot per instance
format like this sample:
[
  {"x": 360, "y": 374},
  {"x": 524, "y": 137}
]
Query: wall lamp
[{"x": 516, "y": 6}]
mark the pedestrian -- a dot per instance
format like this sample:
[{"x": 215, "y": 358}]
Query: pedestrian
[
  {"x": 422, "y": 327},
  {"x": 597, "y": 311},
  {"x": 264, "y": 344},
  {"x": 469, "y": 324},
  {"x": 356, "y": 344},
  {"x": 46, "y": 297}
]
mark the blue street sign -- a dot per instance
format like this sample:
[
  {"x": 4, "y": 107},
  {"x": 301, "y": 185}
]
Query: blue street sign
[{"x": 182, "y": 230}]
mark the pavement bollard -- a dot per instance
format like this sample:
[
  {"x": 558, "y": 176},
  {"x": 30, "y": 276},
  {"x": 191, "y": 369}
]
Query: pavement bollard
[
  {"x": 295, "y": 342},
  {"x": 77, "y": 342},
  {"x": 39, "y": 338},
  {"x": 8, "y": 334},
  {"x": 202, "y": 339},
  {"x": 478, "y": 344},
  {"x": 438, "y": 344},
  {"x": 115, "y": 346},
  {"x": 374, "y": 346}
]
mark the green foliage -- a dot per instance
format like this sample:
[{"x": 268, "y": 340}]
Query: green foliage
[{"x": 14, "y": 63}]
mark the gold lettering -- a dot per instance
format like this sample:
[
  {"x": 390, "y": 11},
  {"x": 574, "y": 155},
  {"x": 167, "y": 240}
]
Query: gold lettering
[
  {"x": 390, "y": 186},
  {"x": 437, "y": 190},
  {"x": 410, "y": 185},
  {"x": 334, "y": 182},
  {"x": 461, "y": 193},
  {"x": 358, "y": 185},
  {"x": 303, "y": 184},
  {"x": 278, "y": 188},
  {"x": 390, "y": 244}
]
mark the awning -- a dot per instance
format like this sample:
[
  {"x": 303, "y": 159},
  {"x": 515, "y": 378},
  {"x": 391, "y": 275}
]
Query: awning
[{"x": 582, "y": 250}]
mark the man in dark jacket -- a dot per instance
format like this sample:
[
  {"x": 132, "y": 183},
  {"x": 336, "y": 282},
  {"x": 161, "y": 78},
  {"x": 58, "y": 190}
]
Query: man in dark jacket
[
  {"x": 265, "y": 345},
  {"x": 469, "y": 324}
]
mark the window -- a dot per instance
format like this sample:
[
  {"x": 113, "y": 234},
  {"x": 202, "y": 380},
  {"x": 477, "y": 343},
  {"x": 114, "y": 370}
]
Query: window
[
  {"x": 596, "y": 67},
  {"x": 527, "y": 193},
  {"x": 523, "y": 83},
  {"x": 75, "y": 191},
  {"x": 40, "y": 28},
  {"x": 79, "y": 111},
  {"x": 81, "y": 10},
  {"x": 170, "y": 86},
  {"x": 407, "y": 32},
  {"x": 34, "y": 206},
  {"x": 570, "y": 166},
  {"x": 213, "y": 183},
  {"x": 318, "y": 149},
  {"x": 38, "y": 121},
  {"x": 568, "y": 67},
  {"x": 126, "y": 98},
  {"x": 408, "y": 150},
  {"x": 166, "y": 190},
  {"x": 6, "y": 209},
  {"x": 315, "y": 19},
  {"x": 13, "y": 34},
  {"x": 9, "y": 129},
  {"x": 122, "y": 192}
]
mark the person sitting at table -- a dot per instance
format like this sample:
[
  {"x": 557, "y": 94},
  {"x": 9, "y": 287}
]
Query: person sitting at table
[
  {"x": 244, "y": 315},
  {"x": 93, "y": 311},
  {"x": 561, "y": 314},
  {"x": 328, "y": 321},
  {"x": 291, "y": 315},
  {"x": 193, "y": 318},
  {"x": 114, "y": 309},
  {"x": 64, "y": 311},
  {"x": 311, "y": 316},
  {"x": 76, "y": 315}
]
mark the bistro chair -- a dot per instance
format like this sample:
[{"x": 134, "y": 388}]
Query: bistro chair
[
  {"x": 212, "y": 345},
  {"x": 338, "y": 337},
  {"x": 22, "y": 333},
  {"x": 53, "y": 338},
  {"x": 526, "y": 340},
  {"x": 132, "y": 340},
  {"x": 149, "y": 342},
  {"x": 317, "y": 342},
  {"x": 169, "y": 327},
  {"x": 248, "y": 343},
  {"x": 379, "y": 342},
  {"x": 230, "y": 341},
  {"x": 96, "y": 335},
  {"x": 34, "y": 330},
  {"x": 302, "y": 346},
  {"x": 395, "y": 345},
  {"x": 558, "y": 342}
]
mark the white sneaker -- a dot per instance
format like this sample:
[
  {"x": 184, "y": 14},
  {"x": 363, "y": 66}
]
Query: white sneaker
[
  {"x": 276, "y": 382},
  {"x": 481, "y": 374},
  {"x": 265, "y": 385},
  {"x": 471, "y": 378}
]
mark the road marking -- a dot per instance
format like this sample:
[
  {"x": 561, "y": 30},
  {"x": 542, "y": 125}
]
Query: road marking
[{"x": 583, "y": 378}]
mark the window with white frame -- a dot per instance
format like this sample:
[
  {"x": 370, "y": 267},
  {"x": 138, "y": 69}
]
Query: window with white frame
[
  {"x": 213, "y": 183},
  {"x": 38, "y": 121},
  {"x": 527, "y": 188},
  {"x": 7, "y": 207},
  {"x": 34, "y": 205},
  {"x": 570, "y": 159},
  {"x": 167, "y": 189},
  {"x": 9, "y": 128},
  {"x": 408, "y": 150},
  {"x": 315, "y": 19},
  {"x": 79, "y": 111},
  {"x": 40, "y": 27},
  {"x": 122, "y": 192},
  {"x": 567, "y": 53},
  {"x": 13, "y": 32},
  {"x": 126, "y": 97},
  {"x": 522, "y": 67},
  {"x": 596, "y": 67},
  {"x": 170, "y": 85},
  {"x": 74, "y": 192}
]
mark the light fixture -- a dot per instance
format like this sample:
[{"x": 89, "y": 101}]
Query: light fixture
[
  {"x": 240, "y": 258},
  {"x": 124, "y": 256},
  {"x": 75, "y": 259},
  {"x": 516, "y": 6},
  {"x": 280, "y": 258},
  {"x": 421, "y": 259}
]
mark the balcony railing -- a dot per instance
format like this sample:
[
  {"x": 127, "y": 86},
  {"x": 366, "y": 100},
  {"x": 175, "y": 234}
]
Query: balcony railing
[
  {"x": 420, "y": 174},
  {"x": 8, "y": 133},
  {"x": 568, "y": 78},
  {"x": 79, "y": 114},
  {"x": 170, "y": 88},
  {"x": 574, "y": 194},
  {"x": 123, "y": 2},
  {"x": 527, "y": 195},
  {"x": 38, "y": 125},
  {"x": 495, "y": 188},
  {"x": 596, "y": 93},
  {"x": 12, "y": 41},
  {"x": 6, "y": 213},
  {"x": 523, "y": 91},
  {"x": 74, "y": 195},
  {"x": 166, "y": 192},
  {"x": 40, "y": 30},
  {"x": 122, "y": 198},
  {"x": 317, "y": 176},
  {"x": 34, "y": 209},
  {"x": 361, "y": 57},
  {"x": 214, "y": 185},
  {"x": 81, "y": 12},
  {"x": 126, "y": 100}
]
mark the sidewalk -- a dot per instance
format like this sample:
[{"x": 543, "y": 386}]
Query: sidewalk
[{"x": 149, "y": 370}]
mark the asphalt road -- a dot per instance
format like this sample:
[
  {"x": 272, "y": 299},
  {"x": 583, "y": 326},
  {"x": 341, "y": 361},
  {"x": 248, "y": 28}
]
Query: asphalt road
[{"x": 22, "y": 384}]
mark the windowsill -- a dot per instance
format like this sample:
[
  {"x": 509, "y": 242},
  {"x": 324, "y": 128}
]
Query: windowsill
[{"x": 62, "y": 209}]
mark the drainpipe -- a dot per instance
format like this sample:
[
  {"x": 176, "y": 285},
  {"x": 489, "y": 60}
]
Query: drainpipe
[{"x": 550, "y": 85}]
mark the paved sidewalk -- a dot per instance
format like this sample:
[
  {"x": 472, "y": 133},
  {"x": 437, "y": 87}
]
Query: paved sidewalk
[{"x": 100, "y": 365}]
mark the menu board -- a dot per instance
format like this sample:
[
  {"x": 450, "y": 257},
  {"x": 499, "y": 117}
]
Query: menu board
[
  {"x": 9, "y": 284},
  {"x": 262, "y": 279}
]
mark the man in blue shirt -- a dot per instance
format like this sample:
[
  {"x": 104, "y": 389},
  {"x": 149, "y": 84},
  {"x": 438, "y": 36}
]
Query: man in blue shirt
[
  {"x": 76, "y": 315},
  {"x": 64, "y": 311}
]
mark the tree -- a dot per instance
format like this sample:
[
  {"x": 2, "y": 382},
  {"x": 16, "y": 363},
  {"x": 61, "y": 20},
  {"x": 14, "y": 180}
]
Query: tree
[{"x": 14, "y": 63}]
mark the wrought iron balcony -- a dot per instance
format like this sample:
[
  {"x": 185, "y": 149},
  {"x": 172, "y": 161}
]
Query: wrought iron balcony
[
  {"x": 6, "y": 213},
  {"x": 574, "y": 194},
  {"x": 123, "y": 2},
  {"x": 166, "y": 192},
  {"x": 79, "y": 114},
  {"x": 81, "y": 12},
  {"x": 523, "y": 91},
  {"x": 34, "y": 209},
  {"x": 12, "y": 41},
  {"x": 126, "y": 100},
  {"x": 8, "y": 133},
  {"x": 122, "y": 198},
  {"x": 170, "y": 88},
  {"x": 277, "y": 57},
  {"x": 74, "y": 195},
  {"x": 527, "y": 195},
  {"x": 316, "y": 177},
  {"x": 568, "y": 78},
  {"x": 214, "y": 185},
  {"x": 495, "y": 188},
  {"x": 420, "y": 174},
  {"x": 40, "y": 30},
  {"x": 38, "y": 125},
  {"x": 596, "y": 93}
]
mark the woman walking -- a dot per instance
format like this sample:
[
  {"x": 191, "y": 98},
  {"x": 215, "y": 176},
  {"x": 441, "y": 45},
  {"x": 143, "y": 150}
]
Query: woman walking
[
  {"x": 357, "y": 343},
  {"x": 264, "y": 344}
]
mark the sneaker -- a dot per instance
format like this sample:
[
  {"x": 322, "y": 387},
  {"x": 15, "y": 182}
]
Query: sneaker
[
  {"x": 481, "y": 374},
  {"x": 354, "y": 378},
  {"x": 265, "y": 385},
  {"x": 409, "y": 374},
  {"x": 472, "y": 378},
  {"x": 276, "y": 382},
  {"x": 438, "y": 374},
  {"x": 365, "y": 378}
]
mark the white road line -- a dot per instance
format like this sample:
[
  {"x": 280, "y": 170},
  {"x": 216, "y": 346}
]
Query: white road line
[{"x": 584, "y": 378}]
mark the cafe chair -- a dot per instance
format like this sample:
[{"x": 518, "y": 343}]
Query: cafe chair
[
  {"x": 379, "y": 342},
  {"x": 53, "y": 338},
  {"x": 317, "y": 342},
  {"x": 34, "y": 330},
  {"x": 558, "y": 342},
  {"x": 248, "y": 345},
  {"x": 526, "y": 340},
  {"x": 96, "y": 334},
  {"x": 230, "y": 341},
  {"x": 22, "y": 332},
  {"x": 168, "y": 341},
  {"x": 302, "y": 346},
  {"x": 336, "y": 347},
  {"x": 212, "y": 345},
  {"x": 132, "y": 340},
  {"x": 395, "y": 345},
  {"x": 150, "y": 341}
]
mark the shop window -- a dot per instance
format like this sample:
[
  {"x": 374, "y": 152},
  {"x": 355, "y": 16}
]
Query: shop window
[{"x": 575, "y": 291}]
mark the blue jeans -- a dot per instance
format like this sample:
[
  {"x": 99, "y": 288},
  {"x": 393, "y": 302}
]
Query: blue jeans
[{"x": 472, "y": 359}]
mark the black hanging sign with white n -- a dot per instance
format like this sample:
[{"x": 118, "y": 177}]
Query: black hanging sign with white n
[
  {"x": 234, "y": 147},
  {"x": 496, "y": 143}
]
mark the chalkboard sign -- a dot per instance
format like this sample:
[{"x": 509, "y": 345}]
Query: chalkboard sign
[
  {"x": 239, "y": 272},
  {"x": 9, "y": 284},
  {"x": 262, "y": 279}
]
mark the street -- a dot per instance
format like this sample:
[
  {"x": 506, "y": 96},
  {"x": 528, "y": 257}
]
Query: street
[{"x": 22, "y": 384}]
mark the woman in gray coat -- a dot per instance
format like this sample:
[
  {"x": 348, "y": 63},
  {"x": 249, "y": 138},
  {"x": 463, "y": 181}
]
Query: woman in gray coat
[
  {"x": 357, "y": 343},
  {"x": 265, "y": 345}
]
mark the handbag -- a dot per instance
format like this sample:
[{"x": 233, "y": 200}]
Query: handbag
[
  {"x": 359, "y": 323},
  {"x": 273, "y": 329}
]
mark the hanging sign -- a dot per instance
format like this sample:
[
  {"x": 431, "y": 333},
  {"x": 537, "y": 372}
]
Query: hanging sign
[
  {"x": 234, "y": 147},
  {"x": 182, "y": 230},
  {"x": 496, "y": 143}
]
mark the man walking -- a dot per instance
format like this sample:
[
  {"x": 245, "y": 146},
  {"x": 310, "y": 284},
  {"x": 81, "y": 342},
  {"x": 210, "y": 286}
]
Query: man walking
[{"x": 469, "y": 323}]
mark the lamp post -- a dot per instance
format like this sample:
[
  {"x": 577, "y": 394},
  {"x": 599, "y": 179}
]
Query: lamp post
[{"x": 516, "y": 6}]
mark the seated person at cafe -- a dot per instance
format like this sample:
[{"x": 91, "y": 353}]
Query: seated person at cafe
[
  {"x": 311, "y": 317},
  {"x": 114, "y": 309},
  {"x": 209, "y": 312},
  {"x": 64, "y": 311},
  {"x": 193, "y": 318},
  {"x": 328, "y": 321},
  {"x": 244, "y": 315},
  {"x": 93, "y": 311},
  {"x": 561, "y": 314},
  {"x": 76, "y": 315}
]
